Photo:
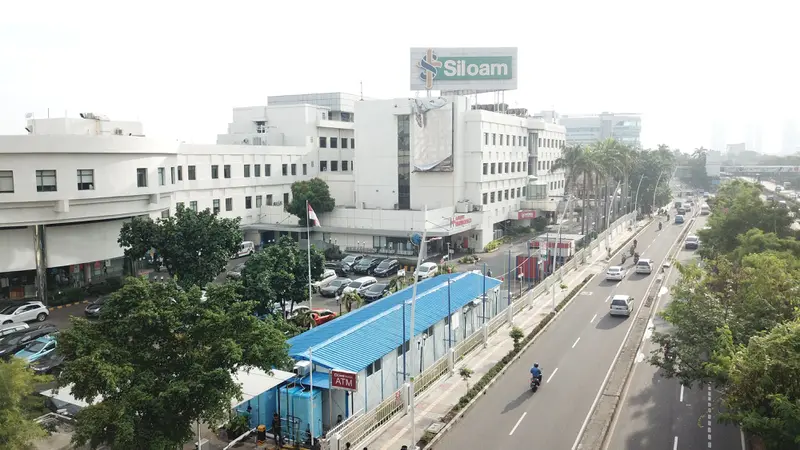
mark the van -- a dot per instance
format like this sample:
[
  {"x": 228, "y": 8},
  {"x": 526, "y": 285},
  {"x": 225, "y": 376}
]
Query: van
[
  {"x": 360, "y": 285},
  {"x": 621, "y": 305},
  {"x": 246, "y": 248},
  {"x": 327, "y": 276}
]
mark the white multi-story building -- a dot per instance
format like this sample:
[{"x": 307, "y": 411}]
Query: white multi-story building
[
  {"x": 68, "y": 186},
  {"x": 588, "y": 129}
]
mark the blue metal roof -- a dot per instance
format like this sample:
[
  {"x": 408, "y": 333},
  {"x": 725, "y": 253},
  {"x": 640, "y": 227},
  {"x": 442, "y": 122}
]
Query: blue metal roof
[{"x": 357, "y": 339}]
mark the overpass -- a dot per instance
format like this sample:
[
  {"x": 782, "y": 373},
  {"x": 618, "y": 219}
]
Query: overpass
[{"x": 759, "y": 170}]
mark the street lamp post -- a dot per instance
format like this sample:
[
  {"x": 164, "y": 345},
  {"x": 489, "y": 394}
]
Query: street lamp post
[
  {"x": 636, "y": 200},
  {"x": 608, "y": 221},
  {"x": 655, "y": 191},
  {"x": 422, "y": 247}
]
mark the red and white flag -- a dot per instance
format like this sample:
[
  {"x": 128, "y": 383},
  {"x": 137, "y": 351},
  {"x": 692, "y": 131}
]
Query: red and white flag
[{"x": 312, "y": 217}]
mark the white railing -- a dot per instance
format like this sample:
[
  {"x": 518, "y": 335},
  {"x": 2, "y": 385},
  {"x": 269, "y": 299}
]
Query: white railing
[{"x": 358, "y": 428}]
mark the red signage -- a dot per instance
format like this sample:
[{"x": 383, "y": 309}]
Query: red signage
[
  {"x": 460, "y": 221},
  {"x": 527, "y": 214},
  {"x": 342, "y": 379}
]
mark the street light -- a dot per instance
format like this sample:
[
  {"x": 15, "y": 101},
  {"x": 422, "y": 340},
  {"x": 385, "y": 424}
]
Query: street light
[
  {"x": 608, "y": 221},
  {"x": 636, "y": 201},
  {"x": 655, "y": 191}
]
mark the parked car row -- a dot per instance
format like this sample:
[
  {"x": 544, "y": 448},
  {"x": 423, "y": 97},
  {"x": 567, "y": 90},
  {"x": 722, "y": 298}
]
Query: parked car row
[
  {"x": 367, "y": 265},
  {"x": 35, "y": 344}
]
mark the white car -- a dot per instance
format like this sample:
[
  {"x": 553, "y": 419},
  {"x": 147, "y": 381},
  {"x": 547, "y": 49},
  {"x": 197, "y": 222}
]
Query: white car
[
  {"x": 246, "y": 248},
  {"x": 327, "y": 276},
  {"x": 426, "y": 270},
  {"x": 644, "y": 266},
  {"x": 359, "y": 285},
  {"x": 615, "y": 273},
  {"x": 24, "y": 312},
  {"x": 621, "y": 305}
]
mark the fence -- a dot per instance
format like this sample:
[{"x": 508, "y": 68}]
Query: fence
[{"x": 360, "y": 428}]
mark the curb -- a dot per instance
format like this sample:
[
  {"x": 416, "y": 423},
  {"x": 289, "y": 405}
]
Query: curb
[
  {"x": 67, "y": 305},
  {"x": 491, "y": 382}
]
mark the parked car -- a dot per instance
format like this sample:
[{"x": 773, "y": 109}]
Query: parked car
[
  {"x": 335, "y": 287},
  {"x": 679, "y": 219},
  {"x": 246, "y": 248},
  {"x": 24, "y": 312},
  {"x": 14, "y": 342},
  {"x": 327, "y": 277},
  {"x": 376, "y": 292},
  {"x": 93, "y": 309},
  {"x": 691, "y": 243},
  {"x": 236, "y": 272},
  {"x": 387, "y": 268},
  {"x": 347, "y": 263},
  {"x": 644, "y": 266},
  {"x": 621, "y": 305},
  {"x": 615, "y": 273},
  {"x": 360, "y": 285},
  {"x": 426, "y": 270},
  {"x": 321, "y": 316},
  {"x": 37, "y": 348},
  {"x": 48, "y": 364},
  {"x": 11, "y": 328},
  {"x": 367, "y": 265}
]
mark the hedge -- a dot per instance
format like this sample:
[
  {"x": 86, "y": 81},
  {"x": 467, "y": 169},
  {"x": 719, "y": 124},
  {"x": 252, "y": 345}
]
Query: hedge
[{"x": 479, "y": 386}]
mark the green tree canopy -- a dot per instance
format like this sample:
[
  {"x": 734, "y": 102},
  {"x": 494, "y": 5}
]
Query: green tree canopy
[
  {"x": 318, "y": 195},
  {"x": 195, "y": 246},
  {"x": 278, "y": 275},
  {"x": 17, "y": 431},
  {"x": 162, "y": 358}
]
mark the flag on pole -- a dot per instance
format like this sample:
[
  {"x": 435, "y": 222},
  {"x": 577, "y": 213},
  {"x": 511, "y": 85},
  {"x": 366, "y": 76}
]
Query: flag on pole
[{"x": 312, "y": 217}]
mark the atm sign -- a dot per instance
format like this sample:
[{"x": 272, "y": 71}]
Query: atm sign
[{"x": 342, "y": 379}]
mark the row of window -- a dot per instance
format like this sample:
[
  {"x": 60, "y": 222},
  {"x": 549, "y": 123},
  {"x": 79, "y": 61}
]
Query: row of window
[
  {"x": 47, "y": 180},
  {"x": 499, "y": 196},
  {"x": 506, "y": 139},
  {"x": 249, "y": 170},
  {"x": 334, "y": 142},
  {"x": 249, "y": 202},
  {"x": 509, "y": 167},
  {"x": 334, "y": 166}
]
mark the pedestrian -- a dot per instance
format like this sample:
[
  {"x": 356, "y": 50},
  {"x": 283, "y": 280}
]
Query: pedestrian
[{"x": 347, "y": 446}]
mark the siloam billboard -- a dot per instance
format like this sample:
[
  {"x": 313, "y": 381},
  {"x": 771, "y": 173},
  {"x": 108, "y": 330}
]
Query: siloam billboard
[{"x": 464, "y": 69}]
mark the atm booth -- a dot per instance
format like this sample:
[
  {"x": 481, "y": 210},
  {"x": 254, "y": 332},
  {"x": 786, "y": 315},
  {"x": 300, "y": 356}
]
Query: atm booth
[{"x": 545, "y": 251}]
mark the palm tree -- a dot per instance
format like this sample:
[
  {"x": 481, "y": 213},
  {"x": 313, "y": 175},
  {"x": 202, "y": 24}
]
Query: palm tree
[
  {"x": 571, "y": 162},
  {"x": 626, "y": 157},
  {"x": 304, "y": 319},
  {"x": 605, "y": 155},
  {"x": 350, "y": 299},
  {"x": 396, "y": 284}
]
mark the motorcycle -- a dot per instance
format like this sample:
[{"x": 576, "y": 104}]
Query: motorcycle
[
  {"x": 636, "y": 259},
  {"x": 660, "y": 226},
  {"x": 623, "y": 259},
  {"x": 535, "y": 383}
]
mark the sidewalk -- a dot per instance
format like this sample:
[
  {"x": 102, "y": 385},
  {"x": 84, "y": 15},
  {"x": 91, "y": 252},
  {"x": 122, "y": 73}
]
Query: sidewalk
[{"x": 441, "y": 397}]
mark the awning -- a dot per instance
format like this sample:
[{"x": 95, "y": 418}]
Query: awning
[
  {"x": 64, "y": 395},
  {"x": 255, "y": 382},
  {"x": 322, "y": 380}
]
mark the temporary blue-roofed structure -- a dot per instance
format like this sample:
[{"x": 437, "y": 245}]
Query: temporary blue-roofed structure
[{"x": 357, "y": 339}]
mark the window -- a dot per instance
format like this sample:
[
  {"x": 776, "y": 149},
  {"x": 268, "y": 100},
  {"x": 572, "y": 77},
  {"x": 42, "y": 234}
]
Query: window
[
  {"x": 501, "y": 139},
  {"x": 334, "y": 166},
  {"x": 171, "y": 175},
  {"x": 334, "y": 142},
  {"x": 305, "y": 169},
  {"x": 485, "y": 138},
  {"x": 216, "y": 206},
  {"x": 512, "y": 193},
  {"x": 180, "y": 173},
  {"x": 6, "y": 182},
  {"x": 499, "y": 167},
  {"x": 518, "y": 192},
  {"x": 193, "y": 205},
  {"x": 323, "y": 142},
  {"x": 229, "y": 204},
  {"x": 258, "y": 201},
  {"x": 486, "y": 168},
  {"x": 257, "y": 170},
  {"x": 247, "y": 170},
  {"x": 513, "y": 140},
  {"x": 285, "y": 200},
  {"x": 403, "y": 348},
  {"x": 248, "y": 202},
  {"x": 374, "y": 367},
  {"x": 268, "y": 199},
  {"x": 506, "y": 169},
  {"x": 294, "y": 169},
  {"x": 165, "y": 214},
  {"x": 267, "y": 170},
  {"x": 493, "y": 171},
  {"x": 494, "y": 138},
  {"x": 352, "y": 142},
  {"x": 508, "y": 139},
  {"x": 344, "y": 142},
  {"x": 141, "y": 177},
  {"x": 85, "y": 179},
  {"x": 323, "y": 166},
  {"x": 179, "y": 205},
  {"x": 513, "y": 167},
  {"x": 344, "y": 166},
  {"x": 214, "y": 171},
  {"x": 192, "y": 175},
  {"x": 162, "y": 176},
  {"x": 524, "y": 165},
  {"x": 226, "y": 170},
  {"x": 506, "y": 196},
  {"x": 491, "y": 196},
  {"x": 485, "y": 198},
  {"x": 261, "y": 127},
  {"x": 519, "y": 166},
  {"x": 500, "y": 196},
  {"x": 285, "y": 169}
]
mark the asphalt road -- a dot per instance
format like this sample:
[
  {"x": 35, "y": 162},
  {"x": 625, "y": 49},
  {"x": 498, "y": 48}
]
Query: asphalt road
[
  {"x": 575, "y": 353},
  {"x": 657, "y": 413}
]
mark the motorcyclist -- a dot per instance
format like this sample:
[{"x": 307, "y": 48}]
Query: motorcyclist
[
  {"x": 624, "y": 257},
  {"x": 636, "y": 257},
  {"x": 660, "y": 225},
  {"x": 536, "y": 373}
]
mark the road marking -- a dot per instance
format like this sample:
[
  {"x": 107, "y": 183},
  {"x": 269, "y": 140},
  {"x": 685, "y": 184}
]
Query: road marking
[
  {"x": 551, "y": 375},
  {"x": 675, "y": 443},
  {"x": 594, "y": 317},
  {"x": 744, "y": 445},
  {"x": 518, "y": 422},
  {"x": 681, "y": 393},
  {"x": 607, "y": 299},
  {"x": 576, "y": 342}
]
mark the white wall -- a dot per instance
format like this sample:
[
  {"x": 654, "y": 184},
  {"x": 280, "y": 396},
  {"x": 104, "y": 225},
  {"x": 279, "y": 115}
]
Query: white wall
[
  {"x": 18, "y": 250},
  {"x": 82, "y": 243}
]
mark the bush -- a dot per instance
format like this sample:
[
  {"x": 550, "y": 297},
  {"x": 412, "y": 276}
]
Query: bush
[
  {"x": 333, "y": 254},
  {"x": 68, "y": 295},
  {"x": 469, "y": 259},
  {"x": 106, "y": 287},
  {"x": 493, "y": 245}
]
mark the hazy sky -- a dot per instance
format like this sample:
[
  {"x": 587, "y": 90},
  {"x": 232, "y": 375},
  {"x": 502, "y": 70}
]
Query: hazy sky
[{"x": 180, "y": 66}]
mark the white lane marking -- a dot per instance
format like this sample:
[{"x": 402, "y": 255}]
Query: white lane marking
[
  {"x": 518, "y": 422},
  {"x": 607, "y": 299},
  {"x": 675, "y": 443},
  {"x": 594, "y": 317},
  {"x": 576, "y": 342},
  {"x": 681, "y": 393},
  {"x": 744, "y": 446},
  {"x": 551, "y": 375}
]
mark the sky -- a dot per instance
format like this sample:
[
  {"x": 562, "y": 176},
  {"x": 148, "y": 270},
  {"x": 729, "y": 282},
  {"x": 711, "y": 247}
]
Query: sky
[{"x": 180, "y": 66}]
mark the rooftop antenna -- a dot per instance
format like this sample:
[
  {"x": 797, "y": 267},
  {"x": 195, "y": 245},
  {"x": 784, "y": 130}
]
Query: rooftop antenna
[{"x": 361, "y": 89}]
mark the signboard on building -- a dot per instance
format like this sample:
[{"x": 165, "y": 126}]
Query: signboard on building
[
  {"x": 460, "y": 221},
  {"x": 526, "y": 214},
  {"x": 464, "y": 69},
  {"x": 343, "y": 379}
]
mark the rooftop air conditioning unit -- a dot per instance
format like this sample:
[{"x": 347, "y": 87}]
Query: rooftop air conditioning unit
[{"x": 302, "y": 368}]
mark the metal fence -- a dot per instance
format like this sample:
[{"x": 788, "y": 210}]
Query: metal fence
[{"x": 359, "y": 428}]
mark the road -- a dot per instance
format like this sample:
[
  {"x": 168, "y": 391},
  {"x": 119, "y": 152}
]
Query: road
[
  {"x": 657, "y": 413},
  {"x": 576, "y": 352}
]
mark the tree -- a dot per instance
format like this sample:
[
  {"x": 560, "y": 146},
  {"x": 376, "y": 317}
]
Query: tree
[
  {"x": 318, "y": 195},
  {"x": 303, "y": 320},
  {"x": 697, "y": 169},
  {"x": 465, "y": 373},
  {"x": 161, "y": 359},
  {"x": 17, "y": 431},
  {"x": 351, "y": 299},
  {"x": 278, "y": 275},
  {"x": 195, "y": 246},
  {"x": 516, "y": 335}
]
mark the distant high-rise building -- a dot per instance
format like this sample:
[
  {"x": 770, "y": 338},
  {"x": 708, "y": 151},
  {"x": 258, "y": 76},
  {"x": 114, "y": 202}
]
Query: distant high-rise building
[
  {"x": 753, "y": 138},
  {"x": 587, "y": 129},
  {"x": 791, "y": 140}
]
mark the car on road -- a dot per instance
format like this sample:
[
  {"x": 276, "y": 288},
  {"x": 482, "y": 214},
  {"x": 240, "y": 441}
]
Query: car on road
[
  {"x": 93, "y": 309},
  {"x": 347, "y": 263},
  {"x": 335, "y": 287},
  {"x": 327, "y": 277},
  {"x": 691, "y": 243},
  {"x": 246, "y": 248},
  {"x": 681, "y": 211},
  {"x": 236, "y": 272},
  {"x": 359, "y": 285},
  {"x": 14, "y": 342},
  {"x": 644, "y": 266},
  {"x": 48, "y": 364},
  {"x": 615, "y": 273},
  {"x": 38, "y": 348},
  {"x": 24, "y": 312},
  {"x": 367, "y": 265},
  {"x": 621, "y": 305},
  {"x": 376, "y": 292},
  {"x": 679, "y": 219},
  {"x": 321, "y": 316},
  {"x": 426, "y": 270},
  {"x": 387, "y": 268}
]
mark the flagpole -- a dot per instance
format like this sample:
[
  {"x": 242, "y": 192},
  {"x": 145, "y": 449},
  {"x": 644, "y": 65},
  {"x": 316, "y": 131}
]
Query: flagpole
[
  {"x": 308, "y": 246},
  {"x": 311, "y": 396}
]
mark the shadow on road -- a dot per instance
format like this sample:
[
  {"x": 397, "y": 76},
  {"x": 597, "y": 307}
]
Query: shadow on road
[
  {"x": 609, "y": 322},
  {"x": 514, "y": 404}
]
